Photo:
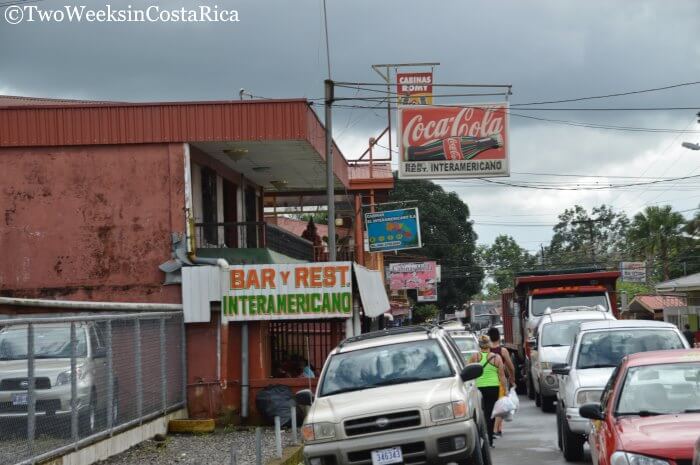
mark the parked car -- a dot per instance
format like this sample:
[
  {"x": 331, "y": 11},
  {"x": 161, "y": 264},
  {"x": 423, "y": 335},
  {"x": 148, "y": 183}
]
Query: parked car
[
  {"x": 550, "y": 345},
  {"x": 467, "y": 343},
  {"x": 52, "y": 352},
  {"x": 402, "y": 395},
  {"x": 649, "y": 412},
  {"x": 598, "y": 349}
]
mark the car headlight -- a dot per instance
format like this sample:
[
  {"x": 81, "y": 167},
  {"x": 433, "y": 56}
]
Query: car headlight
[
  {"x": 318, "y": 431},
  {"x": 588, "y": 396},
  {"x": 64, "y": 378},
  {"x": 546, "y": 365},
  {"x": 448, "y": 411},
  {"x": 627, "y": 458}
]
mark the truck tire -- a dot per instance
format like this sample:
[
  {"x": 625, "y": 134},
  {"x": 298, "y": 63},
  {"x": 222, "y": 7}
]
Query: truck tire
[
  {"x": 572, "y": 443},
  {"x": 559, "y": 426},
  {"x": 548, "y": 404},
  {"x": 538, "y": 399},
  {"x": 477, "y": 457}
]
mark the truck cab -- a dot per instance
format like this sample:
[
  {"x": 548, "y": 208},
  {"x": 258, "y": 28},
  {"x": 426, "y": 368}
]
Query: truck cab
[{"x": 536, "y": 292}]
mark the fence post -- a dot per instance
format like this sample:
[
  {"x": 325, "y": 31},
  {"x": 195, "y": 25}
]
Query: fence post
[
  {"x": 258, "y": 446},
  {"x": 110, "y": 377},
  {"x": 183, "y": 360},
  {"x": 163, "y": 365},
  {"x": 293, "y": 411},
  {"x": 139, "y": 380},
  {"x": 73, "y": 384},
  {"x": 31, "y": 401},
  {"x": 278, "y": 437}
]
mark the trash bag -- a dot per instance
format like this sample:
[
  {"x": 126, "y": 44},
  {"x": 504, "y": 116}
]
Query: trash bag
[
  {"x": 503, "y": 407},
  {"x": 513, "y": 396},
  {"x": 276, "y": 401}
]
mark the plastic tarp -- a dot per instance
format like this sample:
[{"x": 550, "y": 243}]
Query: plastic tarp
[{"x": 372, "y": 291}]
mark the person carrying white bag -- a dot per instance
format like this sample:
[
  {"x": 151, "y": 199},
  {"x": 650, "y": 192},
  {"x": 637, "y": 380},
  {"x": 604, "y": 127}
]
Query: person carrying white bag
[{"x": 491, "y": 380}]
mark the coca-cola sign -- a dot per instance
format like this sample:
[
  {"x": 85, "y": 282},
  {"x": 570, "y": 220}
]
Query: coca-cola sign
[{"x": 453, "y": 142}]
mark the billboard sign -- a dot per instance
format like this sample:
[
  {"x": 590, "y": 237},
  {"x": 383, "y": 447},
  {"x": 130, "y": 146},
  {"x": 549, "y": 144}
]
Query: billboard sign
[
  {"x": 633, "y": 272},
  {"x": 428, "y": 294},
  {"x": 287, "y": 291},
  {"x": 393, "y": 230},
  {"x": 418, "y": 275},
  {"x": 453, "y": 142},
  {"x": 414, "y": 88}
]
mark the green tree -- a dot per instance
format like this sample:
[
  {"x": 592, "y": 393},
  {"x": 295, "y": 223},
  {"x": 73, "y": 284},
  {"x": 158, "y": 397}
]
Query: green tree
[
  {"x": 657, "y": 233},
  {"x": 503, "y": 259},
  {"x": 423, "y": 313},
  {"x": 573, "y": 243},
  {"x": 447, "y": 235}
]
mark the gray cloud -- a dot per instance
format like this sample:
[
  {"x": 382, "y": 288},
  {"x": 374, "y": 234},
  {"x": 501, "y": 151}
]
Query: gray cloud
[{"x": 546, "y": 49}]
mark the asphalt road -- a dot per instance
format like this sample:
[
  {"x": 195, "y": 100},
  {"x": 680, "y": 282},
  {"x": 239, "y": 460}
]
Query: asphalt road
[{"x": 531, "y": 438}]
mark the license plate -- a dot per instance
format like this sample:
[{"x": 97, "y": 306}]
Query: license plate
[
  {"x": 20, "y": 399},
  {"x": 387, "y": 456}
]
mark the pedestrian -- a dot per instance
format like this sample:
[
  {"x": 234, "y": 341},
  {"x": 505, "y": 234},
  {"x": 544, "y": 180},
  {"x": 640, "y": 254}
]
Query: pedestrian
[
  {"x": 490, "y": 381},
  {"x": 689, "y": 335},
  {"x": 498, "y": 349}
]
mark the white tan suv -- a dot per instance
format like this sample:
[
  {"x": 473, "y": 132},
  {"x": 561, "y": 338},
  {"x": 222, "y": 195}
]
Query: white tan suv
[{"x": 402, "y": 395}]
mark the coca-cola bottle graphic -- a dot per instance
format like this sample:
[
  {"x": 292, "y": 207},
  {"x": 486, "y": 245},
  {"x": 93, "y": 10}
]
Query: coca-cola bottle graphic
[{"x": 454, "y": 148}]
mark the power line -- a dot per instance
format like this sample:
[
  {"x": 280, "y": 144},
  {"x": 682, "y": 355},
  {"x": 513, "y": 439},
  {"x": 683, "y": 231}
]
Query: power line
[
  {"x": 611, "y": 186},
  {"x": 619, "y": 94}
]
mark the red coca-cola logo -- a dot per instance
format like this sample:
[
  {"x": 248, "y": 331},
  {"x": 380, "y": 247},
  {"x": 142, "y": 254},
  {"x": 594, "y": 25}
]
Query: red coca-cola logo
[
  {"x": 453, "y": 149},
  {"x": 422, "y": 125}
]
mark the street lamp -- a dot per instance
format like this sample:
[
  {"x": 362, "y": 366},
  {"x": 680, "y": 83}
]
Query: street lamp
[{"x": 691, "y": 146}]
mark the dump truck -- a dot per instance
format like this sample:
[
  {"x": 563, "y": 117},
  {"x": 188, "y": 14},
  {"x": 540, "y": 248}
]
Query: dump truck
[{"x": 535, "y": 293}]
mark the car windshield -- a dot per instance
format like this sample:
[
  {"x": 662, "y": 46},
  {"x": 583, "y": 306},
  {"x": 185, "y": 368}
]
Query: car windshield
[
  {"x": 540, "y": 303},
  {"x": 49, "y": 342},
  {"x": 660, "y": 389},
  {"x": 466, "y": 344},
  {"x": 560, "y": 334},
  {"x": 385, "y": 365},
  {"x": 600, "y": 349}
]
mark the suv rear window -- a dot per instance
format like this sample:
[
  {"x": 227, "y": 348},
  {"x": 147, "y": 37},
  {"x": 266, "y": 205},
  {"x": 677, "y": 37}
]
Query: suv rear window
[
  {"x": 385, "y": 365},
  {"x": 600, "y": 349}
]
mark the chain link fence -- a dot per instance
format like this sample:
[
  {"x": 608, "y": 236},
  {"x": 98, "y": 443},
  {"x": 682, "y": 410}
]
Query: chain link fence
[{"x": 68, "y": 381}]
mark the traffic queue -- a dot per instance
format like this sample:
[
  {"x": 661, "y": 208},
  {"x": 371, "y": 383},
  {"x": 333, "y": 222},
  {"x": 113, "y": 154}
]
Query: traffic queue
[{"x": 630, "y": 388}]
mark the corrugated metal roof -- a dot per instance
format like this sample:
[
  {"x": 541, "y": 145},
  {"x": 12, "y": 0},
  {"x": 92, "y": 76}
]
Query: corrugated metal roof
[
  {"x": 690, "y": 282},
  {"x": 23, "y": 101}
]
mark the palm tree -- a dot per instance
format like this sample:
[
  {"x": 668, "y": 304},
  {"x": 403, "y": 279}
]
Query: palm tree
[{"x": 655, "y": 231}]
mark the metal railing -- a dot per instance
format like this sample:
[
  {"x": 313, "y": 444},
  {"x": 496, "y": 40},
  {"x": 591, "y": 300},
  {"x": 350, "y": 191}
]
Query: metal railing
[
  {"x": 243, "y": 234},
  {"x": 252, "y": 234},
  {"x": 68, "y": 381}
]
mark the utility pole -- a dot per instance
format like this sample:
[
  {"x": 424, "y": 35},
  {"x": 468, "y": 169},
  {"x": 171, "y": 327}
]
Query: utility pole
[
  {"x": 590, "y": 222},
  {"x": 330, "y": 182},
  {"x": 542, "y": 250}
]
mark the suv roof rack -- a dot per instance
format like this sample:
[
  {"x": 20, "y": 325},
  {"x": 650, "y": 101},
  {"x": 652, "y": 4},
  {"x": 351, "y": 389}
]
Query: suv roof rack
[{"x": 387, "y": 332}]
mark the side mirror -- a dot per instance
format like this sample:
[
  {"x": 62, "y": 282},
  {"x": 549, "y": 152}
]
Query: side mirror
[
  {"x": 532, "y": 342},
  {"x": 561, "y": 369},
  {"x": 471, "y": 371},
  {"x": 592, "y": 412},
  {"x": 100, "y": 352},
  {"x": 304, "y": 397}
]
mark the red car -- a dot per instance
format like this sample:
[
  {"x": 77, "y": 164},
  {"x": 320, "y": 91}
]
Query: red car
[{"x": 649, "y": 412}]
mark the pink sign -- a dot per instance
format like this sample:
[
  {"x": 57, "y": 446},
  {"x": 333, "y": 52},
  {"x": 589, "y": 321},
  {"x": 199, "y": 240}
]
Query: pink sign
[{"x": 418, "y": 275}]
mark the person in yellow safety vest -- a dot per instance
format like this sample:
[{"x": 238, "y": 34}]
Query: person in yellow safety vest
[{"x": 491, "y": 380}]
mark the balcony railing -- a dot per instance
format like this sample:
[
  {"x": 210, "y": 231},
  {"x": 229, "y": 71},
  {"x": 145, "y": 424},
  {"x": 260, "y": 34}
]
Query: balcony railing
[{"x": 252, "y": 234}]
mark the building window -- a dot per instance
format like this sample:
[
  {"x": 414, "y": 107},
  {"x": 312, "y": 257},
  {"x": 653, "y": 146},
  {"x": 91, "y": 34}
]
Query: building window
[{"x": 209, "y": 207}]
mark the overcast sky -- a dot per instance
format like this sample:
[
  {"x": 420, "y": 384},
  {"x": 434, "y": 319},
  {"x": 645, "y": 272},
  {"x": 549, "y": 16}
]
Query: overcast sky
[{"x": 547, "y": 50}]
